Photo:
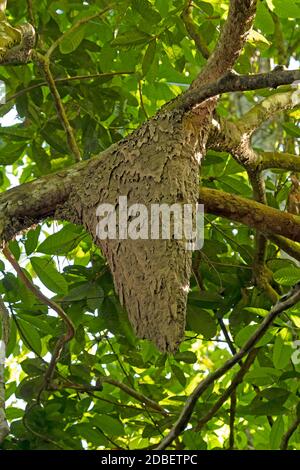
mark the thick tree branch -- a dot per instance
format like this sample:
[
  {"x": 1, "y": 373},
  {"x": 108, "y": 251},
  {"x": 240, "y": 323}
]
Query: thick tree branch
[
  {"x": 232, "y": 82},
  {"x": 279, "y": 160},
  {"x": 251, "y": 213},
  {"x": 288, "y": 301},
  {"x": 29, "y": 203},
  {"x": 232, "y": 39}
]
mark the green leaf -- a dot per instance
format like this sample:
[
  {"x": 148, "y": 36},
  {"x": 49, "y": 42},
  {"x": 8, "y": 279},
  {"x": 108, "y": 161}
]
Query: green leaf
[
  {"x": 130, "y": 38},
  {"x": 287, "y": 276},
  {"x": 109, "y": 425},
  {"x": 95, "y": 296},
  {"x": 193, "y": 440},
  {"x": 30, "y": 336},
  {"x": 72, "y": 40},
  {"x": 146, "y": 10},
  {"x": 186, "y": 356},
  {"x": 32, "y": 238},
  {"x": 201, "y": 322},
  {"x": 49, "y": 276},
  {"x": 245, "y": 333},
  {"x": 286, "y": 9},
  {"x": 256, "y": 37},
  {"x": 149, "y": 57},
  {"x": 179, "y": 374},
  {"x": 63, "y": 241},
  {"x": 281, "y": 353},
  {"x": 10, "y": 153},
  {"x": 276, "y": 433}
]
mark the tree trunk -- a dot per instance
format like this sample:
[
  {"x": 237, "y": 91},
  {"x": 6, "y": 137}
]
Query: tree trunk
[{"x": 158, "y": 163}]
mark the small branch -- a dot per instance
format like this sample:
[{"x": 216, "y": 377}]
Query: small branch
[
  {"x": 92, "y": 390},
  {"x": 238, "y": 378},
  {"x": 133, "y": 393},
  {"x": 70, "y": 330},
  {"x": 232, "y": 413},
  {"x": 267, "y": 108},
  {"x": 142, "y": 100},
  {"x": 193, "y": 31},
  {"x": 285, "y": 440},
  {"x": 45, "y": 64},
  {"x": 232, "y": 82},
  {"x": 31, "y": 13},
  {"x": 263, "y": 218},
  {"x": 73, "y": 28},
  {"x": 279, "y": 39},
  {"x": 63, "y": 80},
  {"x": 195, "y": 268},
  {"x": 286, "y": 302},
  {"x": 262, "y": 276},
  {"x": 5, "y": 328},
  {"x": 291, "y": 248}
]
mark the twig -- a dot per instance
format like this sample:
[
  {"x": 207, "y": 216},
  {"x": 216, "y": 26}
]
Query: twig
[
  {"x": 73, "y": 28},
  {"x": 63, "y": 80},
  {"x": 5, "y": 327},
  {"x": 138, "y": 396},
  {"x": 193, "y": 31},
  {"x": 291, "y": 248},
  {"x": 70, "y": 330},
  {"x": 130, "y": 391},
  {"x": 142, "y": 99},
  {"x": 286, "y": 302},
  {"x": 232, "y": 419},
  {"x": 31, "y": 13},
  {"x": 45, "y": 64},
  {"x": 262, "y": 276},
  {"x": 286, "y": 437},
  {"x": 229, "y": 391}
]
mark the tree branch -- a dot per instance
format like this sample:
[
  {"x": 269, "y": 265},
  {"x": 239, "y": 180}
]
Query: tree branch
[
  {"x": 291, "y": 248},
  {"x": 285, "y": 440},
  {"x": 193, "y": 31},
  {"x": 232, "y": 39},
  {"x": 73, "y": 28},
  {"x": 238, "y": 378},
  {"x": 279, "y": 160},
  {"x": 61, "y": 112},
  {"x": 267, "y": 108},
  {"x": 232, "y": 82},
  {"x": 70, "y": 330},
  {"x": 286, "y": 302},
  {"x": 251, "y": 213},
  {"x": 4, "y": 337},
  {"x": 64, "y": 80}
]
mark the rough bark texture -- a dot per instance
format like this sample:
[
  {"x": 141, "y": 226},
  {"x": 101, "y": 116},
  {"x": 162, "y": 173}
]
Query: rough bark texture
[
  {"x": 251, "y": 213},
  {"x": 157, "y": 164}
]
